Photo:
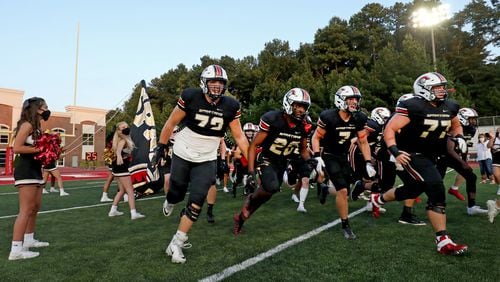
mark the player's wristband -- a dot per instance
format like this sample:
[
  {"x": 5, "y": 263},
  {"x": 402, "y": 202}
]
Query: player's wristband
[
  {"x": 394, "y": 150},
  {"x": 317, "y": 154}
]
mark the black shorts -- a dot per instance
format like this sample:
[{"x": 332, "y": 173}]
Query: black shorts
[
  {"x": 50, "y": 167},
  {"x": 339, "y": 170},
  {"x": 496, "y": 159},
  {"x": 120, "y": 170},
  {"x": 27, "y": 170},
  {"x": 299, "y": 169}
]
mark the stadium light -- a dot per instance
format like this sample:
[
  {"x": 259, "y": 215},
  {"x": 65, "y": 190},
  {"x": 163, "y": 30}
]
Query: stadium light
[{"x": 424, "y": 17}]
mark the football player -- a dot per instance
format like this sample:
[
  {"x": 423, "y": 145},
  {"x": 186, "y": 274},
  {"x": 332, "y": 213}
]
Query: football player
[
  {"x": 335, "y": 130},
  {"x": 280, "y": 133},
  {"x": 421, "y": 124},
  {"x": 206, "y": 113}
]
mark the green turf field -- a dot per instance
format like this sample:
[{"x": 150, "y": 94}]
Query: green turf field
[{"x": 87, "y": 245}]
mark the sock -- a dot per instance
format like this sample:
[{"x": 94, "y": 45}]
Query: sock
[
  {"x": 29, "y": 237},
  {"x": 114, "y": 208},
  {"x": 133, "y": 212},
  {"x": 209, "y": 209},
  {"x": 407, "y": 210},
  {"x": 181, "y": 234},
  {"x": 303, "y": 194},
  {"x": 345, "y": 223},
  {"x": 441, "y": 233},
  {"x": 105, "y": 194},
  {"x": 454, "y": 187},
  {"x": 16, "y": 246}
]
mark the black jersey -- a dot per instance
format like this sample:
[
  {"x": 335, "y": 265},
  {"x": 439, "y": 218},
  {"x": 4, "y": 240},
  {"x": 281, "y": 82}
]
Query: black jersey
[
  {"x": 375, "y": 137},
  {"x": 205, "y": 118},
  {"x": 283, "y": 139},
  {"x": 426, "y": 133},
  {"x": 339, "y": 133},
  {"x": 469, "y": 132}
]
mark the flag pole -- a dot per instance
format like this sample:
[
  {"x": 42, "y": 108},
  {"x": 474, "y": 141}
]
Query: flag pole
[{"x": 76, "y": 64}]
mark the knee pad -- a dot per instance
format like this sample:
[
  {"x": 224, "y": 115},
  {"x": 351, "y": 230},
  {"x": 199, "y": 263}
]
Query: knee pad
[
  {"x": 438, "y": 208},
  {"x": 191, "y": 212}
]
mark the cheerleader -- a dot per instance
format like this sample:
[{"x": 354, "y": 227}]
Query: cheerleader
[
  {"x": 123, "y": 146},
  {"x": 28, "y": 178}
]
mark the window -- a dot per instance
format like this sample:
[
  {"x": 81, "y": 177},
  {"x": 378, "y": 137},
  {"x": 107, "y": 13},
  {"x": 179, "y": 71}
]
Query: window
[
  {"x": 4, "y": 134},
  {"x": 88, "y": 139}
]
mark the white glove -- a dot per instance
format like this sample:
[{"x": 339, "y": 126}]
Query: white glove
[
  {"x": 462, "y": 145},
  {"x": 370, "y": 170},
  {"x": 320, "y": 165}
]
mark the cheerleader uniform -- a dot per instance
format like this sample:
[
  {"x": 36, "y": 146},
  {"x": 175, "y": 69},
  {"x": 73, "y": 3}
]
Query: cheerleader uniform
[
  {"x": 50, "y": 167},
  {"x": 122, "y": 170},
  {"x": 27, "y": 170}
]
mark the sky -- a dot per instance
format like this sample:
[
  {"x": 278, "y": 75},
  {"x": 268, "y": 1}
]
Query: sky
[{"x": 122, "y": 42}]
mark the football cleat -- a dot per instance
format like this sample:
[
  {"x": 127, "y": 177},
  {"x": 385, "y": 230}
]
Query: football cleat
[
  {"x": 492, "y": 210},
  {"x": 348, "y": 234},
  {"x": 245, "y": 212},
  {"x": 167, "y": 208},
  {"x": 238, "y": 224},
  {"x": 175, "y": 247},
  {"x": 210, "y": 218},
  {"x": 456, "y": 193},
  {"x": 376, "y": 204},
  {"x": 474, "y": 210},
  {"x": 411, "y": 219},
  {"x": 323, "y": 193},
  {"x": 357, "y": 190},
  {"x": 447, "y": 247}
]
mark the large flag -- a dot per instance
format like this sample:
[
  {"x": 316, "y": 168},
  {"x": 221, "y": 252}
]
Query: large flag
[{"x": 143, "y": 133}]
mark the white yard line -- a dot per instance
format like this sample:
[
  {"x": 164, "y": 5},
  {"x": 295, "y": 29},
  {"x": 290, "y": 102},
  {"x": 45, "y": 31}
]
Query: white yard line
[{"x": 260, "y": 257}]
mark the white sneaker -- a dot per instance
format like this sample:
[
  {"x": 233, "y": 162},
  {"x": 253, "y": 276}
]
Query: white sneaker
[
  {"x": 23, "y": 255},
  {"x": 492, "y": 210},
  {"x": 498, "y": 191},
  {"x": 35, "y": 244},
  {"x": 125, "y": 198},
  {"x": 301, "y": 208},
  {"x": 53, "y": 190},
  {"x": 174, "y": 249},
  {"x": 295, "y": 198},
  {"x": 225, "y": 190},
  {"x": 45, "y": 191},
  {"x": 105, "y": 199},
  {"x": 137, "y": 216},
  {"x": 114, "y": 213},
  {"x": 62, "y": 193},
  {"x": 167, "y": 208},
  {"x": 476, "y": 210}
]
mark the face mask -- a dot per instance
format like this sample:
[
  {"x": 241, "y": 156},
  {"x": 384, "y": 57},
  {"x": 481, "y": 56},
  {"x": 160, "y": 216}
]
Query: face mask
[
  {"x": 45, "y": 115},
  {"x": 126, "y": 131},
  {"x": 481, "y": 139}
]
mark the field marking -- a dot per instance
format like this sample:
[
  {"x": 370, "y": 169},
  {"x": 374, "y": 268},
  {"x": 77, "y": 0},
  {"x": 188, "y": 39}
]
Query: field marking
[
  {"x": 81, "y": 207},
  {"x": 66, "y": 189},
  {"x": 260, "y": 257}
]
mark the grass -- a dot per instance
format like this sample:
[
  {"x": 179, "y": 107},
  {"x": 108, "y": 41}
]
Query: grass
[{"x": 86, "y": 245}]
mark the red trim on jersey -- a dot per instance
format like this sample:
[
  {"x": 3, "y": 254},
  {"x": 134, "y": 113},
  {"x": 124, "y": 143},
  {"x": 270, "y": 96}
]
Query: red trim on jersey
[
  {"x": 402, "y": 111},
  {"x": 321, "y": 123},
  {"x": 369, "y": 128},
  {"x": 181, "y": 103},
  {"x": 264, "y": 126},
  {"x": 238, "y": 114}
]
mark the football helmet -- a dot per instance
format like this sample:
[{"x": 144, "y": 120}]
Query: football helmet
[
  {"x": 380, "y": 115},
  {"x": 213, "y": 72},
  {"x": 345, "y": 92},
  {"x": 248, "y": 127},
  {"x": 423, "y": 86},
  {"x": 296, "y": 95},
  {"x": 467, "y": 117},
  {"x": 404, "y": 97}
]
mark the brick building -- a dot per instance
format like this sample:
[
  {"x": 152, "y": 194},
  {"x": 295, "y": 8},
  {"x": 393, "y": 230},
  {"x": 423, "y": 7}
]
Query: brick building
[{"x": 82, "y": 129}]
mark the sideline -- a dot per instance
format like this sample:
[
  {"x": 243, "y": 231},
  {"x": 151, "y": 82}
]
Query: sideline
[
  {"x": 82, "y": 207},
  {"x": 260, "y": 257}
]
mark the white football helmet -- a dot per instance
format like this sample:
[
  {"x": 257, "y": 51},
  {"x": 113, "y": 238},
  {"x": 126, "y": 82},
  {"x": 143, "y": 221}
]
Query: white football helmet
[
  {"x": 296, "y": 95},
  {"x": 423, "y": 85},
  {"x": 380, "y": 115},
  {"x": 213, "y": 72},
  {"x": 248, "y": 127},
  {"x": 345, "y": 92},
  {"x": 467, "y": 117},
  {"x": 404, "y": 97}
]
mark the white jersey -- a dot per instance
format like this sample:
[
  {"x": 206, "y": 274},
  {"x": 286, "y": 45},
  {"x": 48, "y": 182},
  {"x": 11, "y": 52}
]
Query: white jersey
[{"x": 195, "y": 147}]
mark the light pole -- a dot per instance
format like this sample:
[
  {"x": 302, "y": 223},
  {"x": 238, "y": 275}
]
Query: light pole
[{"x": 424, "y": 17}]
